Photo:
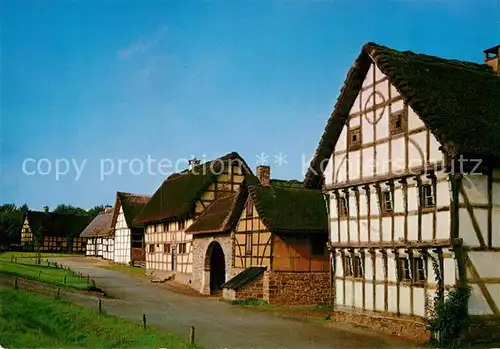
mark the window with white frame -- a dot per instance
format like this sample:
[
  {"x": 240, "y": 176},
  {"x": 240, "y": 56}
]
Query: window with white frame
[
  {"x": 358, "y": 267},
  {"x": 387, "y": 201},
  {"x": 348, "y": 267},
  {"x": 428, "y": 200},
  {"x": 404, "y": 272},
  {"x": 343, "y": 206},
  {"x": 419, "y": 270}
]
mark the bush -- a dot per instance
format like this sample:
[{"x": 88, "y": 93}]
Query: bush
[{"x": 449, "y": 316}]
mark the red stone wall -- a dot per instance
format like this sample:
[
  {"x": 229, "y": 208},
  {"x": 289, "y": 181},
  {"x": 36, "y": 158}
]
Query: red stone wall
[
  {"x": 297, "y": 288},
  {"x": 252, "y": 290}
]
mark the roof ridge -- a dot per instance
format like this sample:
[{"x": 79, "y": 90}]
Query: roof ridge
[{"x": 431, "y": 58}]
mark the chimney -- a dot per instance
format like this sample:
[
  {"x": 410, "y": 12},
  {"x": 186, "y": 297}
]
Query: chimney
[
  {"x": 45, "y": 209},
  {"x": 192, "y": 163},
  {"x": 492, "y": 58},
  {"x": 264, "y": 175},
  {"x": 108, "y": 208}
]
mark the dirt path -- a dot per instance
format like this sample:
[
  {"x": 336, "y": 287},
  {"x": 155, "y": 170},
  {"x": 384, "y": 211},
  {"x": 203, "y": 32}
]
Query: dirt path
[{"x": 218, "y": 324}]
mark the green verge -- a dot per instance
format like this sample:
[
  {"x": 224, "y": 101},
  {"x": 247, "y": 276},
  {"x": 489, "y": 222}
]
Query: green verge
[
  {"x": 28, "y": 320},
  {"x": 125, "y": 269},
  {"x": 26, "y": 267}
]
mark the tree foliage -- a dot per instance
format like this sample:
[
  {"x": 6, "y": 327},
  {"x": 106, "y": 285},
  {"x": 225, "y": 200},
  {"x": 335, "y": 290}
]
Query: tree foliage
[
  {"x": 11, "y": 218},
  {"x": 69, "y": 209}
]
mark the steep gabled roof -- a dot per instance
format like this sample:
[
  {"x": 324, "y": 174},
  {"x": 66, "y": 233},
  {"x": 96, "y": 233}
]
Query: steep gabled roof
[
  {"x": 100, "y": 225},
  {"x": 221, "y": 216},
  {"x": 56, "y": 224},
  {"x": 132, "y": 205},
  {"x": 178, "y": 194},
  {"x": 458, "y": 101},
  {"x": 288, "y": 207}
]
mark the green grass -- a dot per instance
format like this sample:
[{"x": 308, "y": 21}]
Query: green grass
[
  {"x": 28, "y": 320},
  {"x": 8, "y": 255},
  {"x": 26, "y": 267},
  {"x": 125, "y": 269}
]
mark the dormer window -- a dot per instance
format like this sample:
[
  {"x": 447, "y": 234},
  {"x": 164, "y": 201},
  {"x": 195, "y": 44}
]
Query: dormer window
[
  {"x": 354, "y": 138},
  {"x": 398, "y": 123},
  {"x": 427, "y": 196}
]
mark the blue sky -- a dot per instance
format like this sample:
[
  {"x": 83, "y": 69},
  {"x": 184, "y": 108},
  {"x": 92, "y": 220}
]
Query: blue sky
[{"x": 96, "y": 80}]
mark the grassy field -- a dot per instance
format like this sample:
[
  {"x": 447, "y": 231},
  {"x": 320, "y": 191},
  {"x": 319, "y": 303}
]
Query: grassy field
[
  {"x": 28, "y": 320},
  {"x": 26, "y": 267}
]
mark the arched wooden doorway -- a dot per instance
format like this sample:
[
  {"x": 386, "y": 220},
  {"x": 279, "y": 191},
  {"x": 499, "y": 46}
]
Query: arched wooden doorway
[{"x": 215, "y": 266}]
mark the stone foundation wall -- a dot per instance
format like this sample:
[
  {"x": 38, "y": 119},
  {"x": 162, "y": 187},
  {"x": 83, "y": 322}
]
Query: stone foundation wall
[
  {"x": 251, "y": 290},
  {"x": 415, "y": 330},
  {"x": 483, "y": 330},
  {"x": 201, "y": 275},
  {"x": 297, "y": 288}
]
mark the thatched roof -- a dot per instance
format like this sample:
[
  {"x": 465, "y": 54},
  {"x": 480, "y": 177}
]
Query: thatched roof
[
  {"x": 178, "y": 194},
  {"x": 100, "y": 225},
  {"x": 458, "y": 101}
]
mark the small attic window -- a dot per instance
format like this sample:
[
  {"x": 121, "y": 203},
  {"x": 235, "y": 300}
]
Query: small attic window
[
  {"x": 398, "y": 123},
  {"x": 354, "y": 138}
]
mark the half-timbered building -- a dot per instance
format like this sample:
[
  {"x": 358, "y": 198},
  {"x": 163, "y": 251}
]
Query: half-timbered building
[
  {"x": 409, "y": 165},
  {"x": 280, "y": 244},
  {"x": 181, "y": 198},
  {"x": 126, "y": 241},
  {"x": 53, "y": 232},
  {"x": 96, "y": 232},
  {"x": 213, "y": 241}
]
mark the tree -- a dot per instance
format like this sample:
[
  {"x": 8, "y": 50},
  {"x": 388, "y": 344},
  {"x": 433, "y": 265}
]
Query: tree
[
  {"x": 69, "y": 209},
  {"x": 10, "y": 223},
  {"x": 94, "y": 211}
]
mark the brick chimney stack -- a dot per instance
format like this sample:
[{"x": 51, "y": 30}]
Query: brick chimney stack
[
  {"x": 264, "y": 175},
  {"x": 45, "y": 209},
  {"x": 192, "y": 163},
  {"x": 492, "y": 58}
]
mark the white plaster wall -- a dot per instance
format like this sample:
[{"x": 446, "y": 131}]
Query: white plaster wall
[
  {"x": 108, "y": 253},
  {"x": 122, "y": 247}
]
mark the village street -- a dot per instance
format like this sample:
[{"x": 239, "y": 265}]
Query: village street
[{"x": 218, "y": 324}]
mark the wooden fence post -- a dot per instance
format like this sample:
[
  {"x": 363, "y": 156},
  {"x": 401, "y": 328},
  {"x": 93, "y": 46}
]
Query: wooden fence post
[
  {"x": 65, "y": 279},
  {"x": 15, "y": 284},
  {"x": 88, "y": 278},
  {"x": 144, "y": 320},
  {"x": 191, "y": 335},
  {"x": 39, "y": 273},
  {"x": 58, "y": 293},
  {"x": 100, "y": 305}
]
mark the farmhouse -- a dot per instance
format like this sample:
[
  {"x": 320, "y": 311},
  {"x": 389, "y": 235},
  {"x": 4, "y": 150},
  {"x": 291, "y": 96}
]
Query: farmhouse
[
  {"x": 98, "y": 234},
  {"x": 409, "y": 204},
  {"x": 181, "y": 198},
  {"x": 53, "y": 232},
  {"x": 273, "y": 237},
  {"x": 126, "y": 241},
  {"x": 213, "y": 242}
]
